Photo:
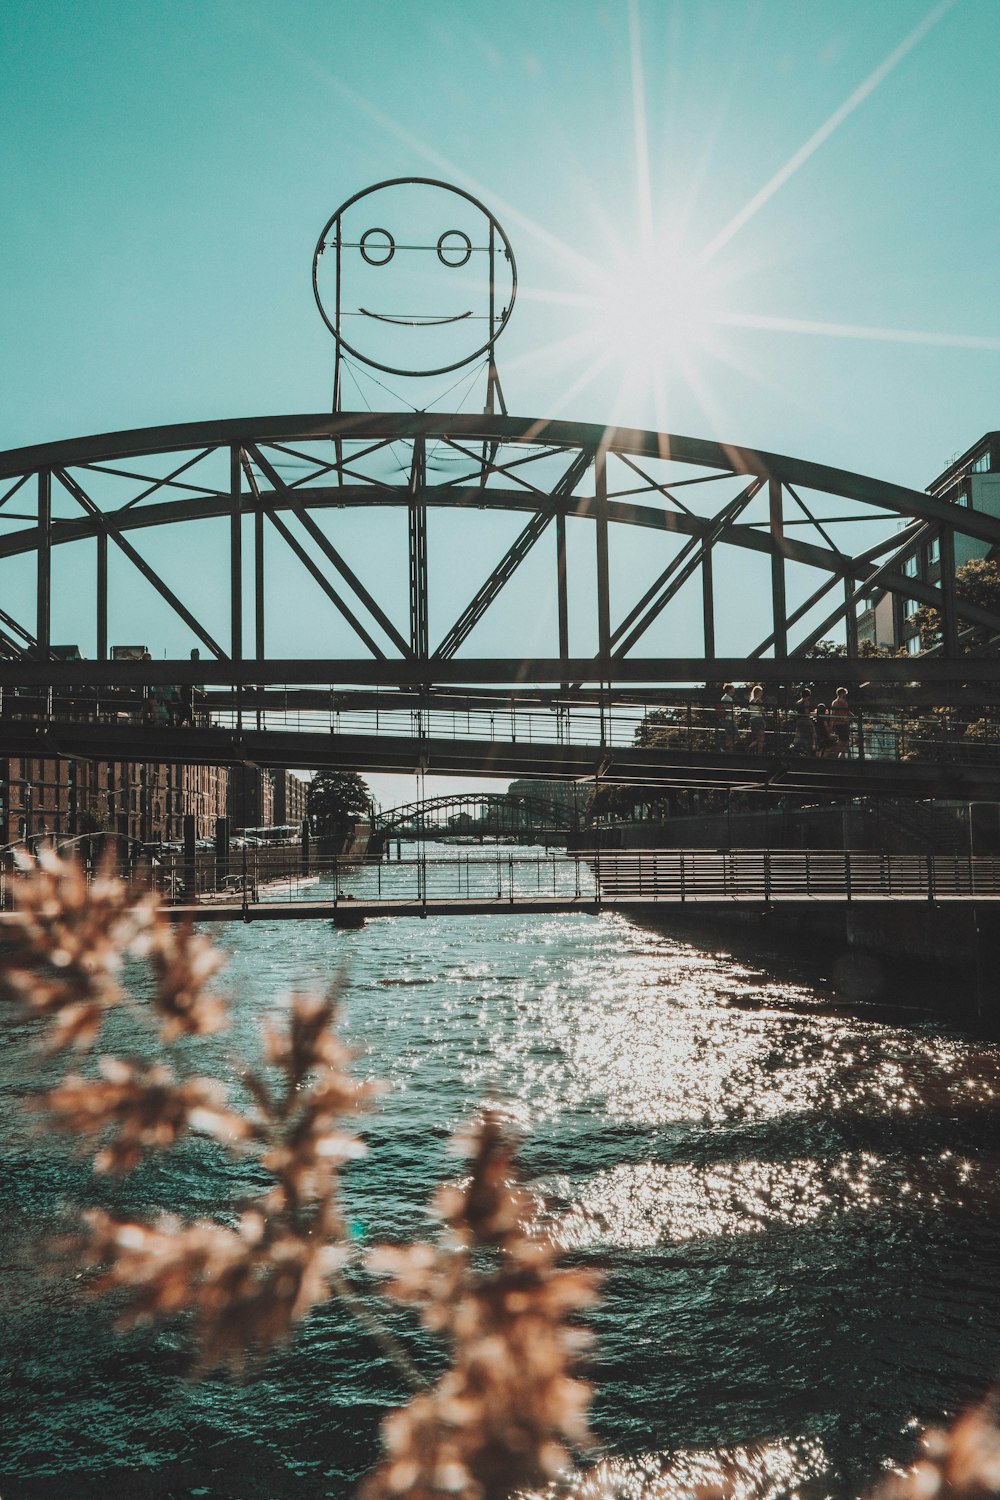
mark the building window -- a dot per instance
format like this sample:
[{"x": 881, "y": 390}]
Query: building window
[
  {"x": 934, "y": 550},
  {"x": 911, "y": 566},
  {"x": 913, "y": 645},
  {"x": 981, "y": 464}
]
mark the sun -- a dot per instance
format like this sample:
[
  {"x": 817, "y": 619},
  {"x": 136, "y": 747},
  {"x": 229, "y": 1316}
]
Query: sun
[{"x": 656, "y": 308}]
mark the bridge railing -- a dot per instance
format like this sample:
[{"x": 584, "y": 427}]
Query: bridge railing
[
  {"x": 882, "y": 734},
  {"x": 647, "y": 876},
  {"x": 590, "y": 878}
]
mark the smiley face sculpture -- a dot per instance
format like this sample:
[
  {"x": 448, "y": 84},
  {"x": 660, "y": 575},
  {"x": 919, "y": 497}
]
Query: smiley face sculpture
[{"x": 414, "y": 277}]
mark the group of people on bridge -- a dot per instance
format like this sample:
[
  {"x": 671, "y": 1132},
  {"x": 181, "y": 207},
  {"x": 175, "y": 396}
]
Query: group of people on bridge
[{"x": 818, "y": 729}]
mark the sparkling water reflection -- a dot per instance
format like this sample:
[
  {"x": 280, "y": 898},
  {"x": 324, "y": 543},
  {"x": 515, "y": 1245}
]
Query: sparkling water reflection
[{"x": 796, "y": 1210}]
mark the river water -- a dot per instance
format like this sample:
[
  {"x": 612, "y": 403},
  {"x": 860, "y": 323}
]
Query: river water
[{"x": 794, "y": 1204}]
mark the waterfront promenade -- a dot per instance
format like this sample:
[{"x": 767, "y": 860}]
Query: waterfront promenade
[{"x": 593, "y": 881}]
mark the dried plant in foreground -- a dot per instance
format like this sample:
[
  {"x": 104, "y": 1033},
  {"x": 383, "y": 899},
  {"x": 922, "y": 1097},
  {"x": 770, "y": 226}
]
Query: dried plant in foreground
[
  {"x": 243, "y": 1286},
  {"x": 68, "y": 941},
  {"x": 247, "y": 1286},
  {"x": 503, "y": 1417},
  {"x": 962, "y": 1463}
]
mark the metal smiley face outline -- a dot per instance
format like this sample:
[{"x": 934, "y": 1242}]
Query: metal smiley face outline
[{"x": 369, "y": 243}]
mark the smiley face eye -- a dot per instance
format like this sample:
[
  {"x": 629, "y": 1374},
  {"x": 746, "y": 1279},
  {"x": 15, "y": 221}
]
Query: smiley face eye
[
  {"x": 378, "y": 247},
  {"x": 454, "y": 248}
]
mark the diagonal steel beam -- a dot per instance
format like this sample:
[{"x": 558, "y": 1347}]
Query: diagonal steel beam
[
  {"x": 10, "y": 647},
  {"x": 310, "y": 564},
  {"x": 512, "y": 560},
  {"x": 20, "y": 630},
  {"x": 909, "y": 588},
  {"x": 676, "y": 562},
  {"x": 108, "y": 527},
  {"x": 13, "y": 489},
  {"x": 797, "y": 614},
  {"x": 859, "y": 582},
  {"x": 680, "y": 569},
  {"x": 327, "y": 548}
]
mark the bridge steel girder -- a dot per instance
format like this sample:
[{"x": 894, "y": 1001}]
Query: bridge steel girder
[
  {"x": 652, "y": 767},
  {"x": 505, "y": 470}
]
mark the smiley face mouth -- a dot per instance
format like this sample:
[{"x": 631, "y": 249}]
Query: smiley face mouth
[{"x": 403, "y": 320}]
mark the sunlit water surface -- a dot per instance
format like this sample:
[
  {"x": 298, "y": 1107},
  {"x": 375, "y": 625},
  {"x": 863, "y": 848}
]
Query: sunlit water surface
[{"x": 796, "y": 1212}]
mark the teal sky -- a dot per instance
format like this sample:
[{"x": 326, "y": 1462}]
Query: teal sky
[{"x": 167, "y": 168}]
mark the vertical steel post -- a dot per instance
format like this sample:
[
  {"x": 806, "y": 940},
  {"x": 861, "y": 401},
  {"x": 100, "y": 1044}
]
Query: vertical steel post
[
  {"x": 43, "y": 591},
  {"x": 102, "y": 596},
  {"x": 258, "y": 583},
  {"x": 561, "y": 589},
  {"x": 949, "y": 624},
  {"x": 336, "y": 350},
  {"x": 418, "y": 552},
  {"x": 708, "y": 602},
  {"x": 236, "y": 554},
  {"x": 850, "y": 617},
  {"x": 603, "y": 587},
  {"x": 777, "y": 567},
  {"x": 491, "y": 373},
  {"x": 236, "y": 570}
]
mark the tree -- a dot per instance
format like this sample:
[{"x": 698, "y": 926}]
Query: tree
[
  {"x": 977, "y": 581},
  {"x": 335, "y": 799}
]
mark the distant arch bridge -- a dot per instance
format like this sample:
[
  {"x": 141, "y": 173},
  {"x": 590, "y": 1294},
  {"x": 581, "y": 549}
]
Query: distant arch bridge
[{"x": 488, "y": 813}]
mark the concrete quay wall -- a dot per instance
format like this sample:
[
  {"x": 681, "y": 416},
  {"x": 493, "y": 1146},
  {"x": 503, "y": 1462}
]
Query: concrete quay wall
[{"x": 944, "y": 958}]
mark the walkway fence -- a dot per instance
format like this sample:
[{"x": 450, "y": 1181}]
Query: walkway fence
[
  {"x": 882, "y": 734},
  {"x": 647, "y": 876}
]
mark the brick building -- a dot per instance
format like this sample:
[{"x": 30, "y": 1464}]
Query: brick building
[
  {"x": 291, "y": 797},
  {"x": 251, "y": 797},
  {"x": 143, "y": 801}
]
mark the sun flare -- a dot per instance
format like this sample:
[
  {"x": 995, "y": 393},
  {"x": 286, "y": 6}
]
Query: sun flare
[{"x": 656, "y": 309}]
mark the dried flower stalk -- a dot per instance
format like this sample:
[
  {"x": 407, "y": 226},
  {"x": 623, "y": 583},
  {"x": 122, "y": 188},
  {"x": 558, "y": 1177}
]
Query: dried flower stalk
[
  {"x": 70, "y": 937},
  {"x": 141, "y": 1109},
  {"x": 962, "y": 1463},
  {"x": 246, "y": 1287},
  {"x": 503, "y": 1417}
]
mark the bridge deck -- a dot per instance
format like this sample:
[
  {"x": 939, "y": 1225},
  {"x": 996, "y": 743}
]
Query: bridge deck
[
  {"x": 346, "y": 913},
  {"x": 661, "y": 766}
]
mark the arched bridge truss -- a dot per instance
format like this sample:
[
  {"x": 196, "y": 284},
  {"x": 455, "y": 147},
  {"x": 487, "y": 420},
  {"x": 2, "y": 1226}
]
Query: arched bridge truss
[
  {"x": 655, "y": 534},
  {"x": 488, "y": 812},
  {"x": 512, "y": 594}
]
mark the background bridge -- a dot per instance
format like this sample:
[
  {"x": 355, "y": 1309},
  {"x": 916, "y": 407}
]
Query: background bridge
[{"x": 483, "y": 814}]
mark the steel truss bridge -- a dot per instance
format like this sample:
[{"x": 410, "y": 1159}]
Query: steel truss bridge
[
  {"x": 599, "y": 557},
  {"x": 488, "y": 813}
]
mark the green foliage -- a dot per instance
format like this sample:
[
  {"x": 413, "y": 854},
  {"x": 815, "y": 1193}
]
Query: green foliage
[
  {"x": 665, "y": 726},
  {"x": 978, "y": 581},
  {"x": 336, "y": 798},
  {"x": 835, "y": 650}
]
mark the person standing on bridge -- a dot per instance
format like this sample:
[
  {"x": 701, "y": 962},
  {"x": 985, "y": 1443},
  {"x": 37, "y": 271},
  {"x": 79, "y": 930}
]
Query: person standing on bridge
[
  {"x": 726, "y": 714},
  {"x": 840, "y": 723},
  {"x": 804, "y": 728},
  {"x": 758, "y": 723}
]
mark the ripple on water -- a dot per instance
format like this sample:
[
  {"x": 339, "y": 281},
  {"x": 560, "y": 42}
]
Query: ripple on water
[{"x": 795, "y": 1211}]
